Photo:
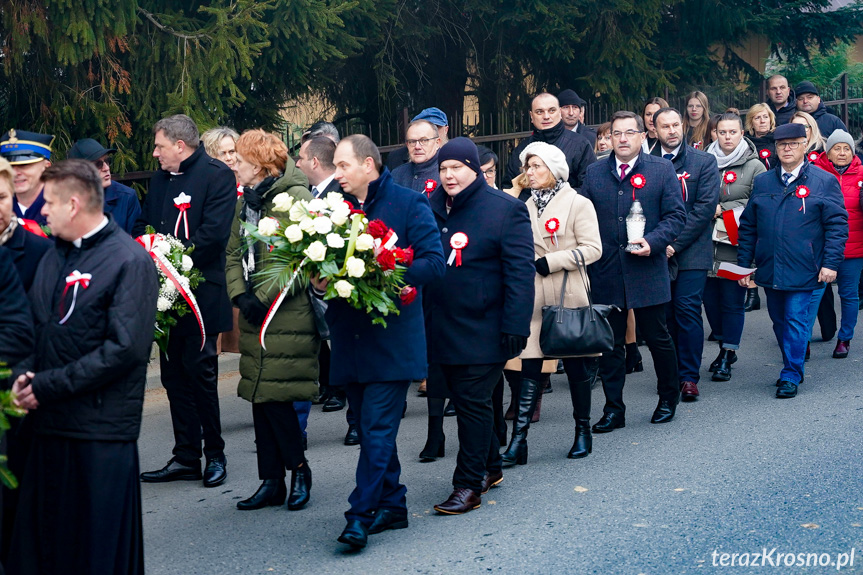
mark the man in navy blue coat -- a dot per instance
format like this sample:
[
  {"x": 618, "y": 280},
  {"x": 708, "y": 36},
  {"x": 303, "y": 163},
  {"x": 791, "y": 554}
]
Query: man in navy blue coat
[
  {"x": 378, "y": 363},
  {"x": 635, "y": 280},
  {"x": 793, "y": 231},
  {"x": 479, "y": 312},
  {"x": 690, "y": 255}
]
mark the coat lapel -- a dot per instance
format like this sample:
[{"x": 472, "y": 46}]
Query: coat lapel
[{"x": 558, "y": 207}]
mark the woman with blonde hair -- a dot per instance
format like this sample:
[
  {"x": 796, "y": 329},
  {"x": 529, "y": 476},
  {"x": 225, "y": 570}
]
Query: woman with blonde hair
[
  {"x": 285, "y": 372},
  {"x": 760, "y": 124},
  {"x": 815, "y": 141},
  {"x": 221, "y": 144},
  {"x": 695, "y": 120}
]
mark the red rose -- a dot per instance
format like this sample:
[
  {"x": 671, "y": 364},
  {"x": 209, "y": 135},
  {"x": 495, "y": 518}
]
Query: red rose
[
  {"x": 377, "y": 229},
  {"x": 387, "y": 260},
  {"x": 408, "y": 295},
  {"x": 404, "y": 256}
]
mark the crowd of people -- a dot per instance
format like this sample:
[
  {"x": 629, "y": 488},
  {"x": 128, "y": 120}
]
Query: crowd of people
[{"x": 658, "y": 214}]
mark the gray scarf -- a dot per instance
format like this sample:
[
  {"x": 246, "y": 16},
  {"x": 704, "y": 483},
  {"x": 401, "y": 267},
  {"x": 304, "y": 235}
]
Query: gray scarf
[
  {"x": 542, "y": 196},
  {"x": 7, "y": 233},
  {"x": 726, "y": 160}
]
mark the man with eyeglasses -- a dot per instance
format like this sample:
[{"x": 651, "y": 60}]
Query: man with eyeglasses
[
  {"x": 548, "y": 127},
  {"x": 636, "y": 280},
  {"x": 797, "y": 218},
  {"x": 423, "y": 143},
  {"x": 120, "y": 201}
]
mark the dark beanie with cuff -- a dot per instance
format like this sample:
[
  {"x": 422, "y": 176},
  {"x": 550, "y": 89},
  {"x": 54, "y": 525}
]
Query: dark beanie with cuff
[{"x": 462, "y": 150}]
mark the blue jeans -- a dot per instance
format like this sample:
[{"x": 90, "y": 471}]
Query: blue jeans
[
  {"x": 303, "y": 408},
  {"x": 792, "y": 323},
  {"x": 683, "y": 315},
  {"x": 846, "y": 283},
  {"x": 814, "y": 302},
  {"x": 723, "y": 303}
]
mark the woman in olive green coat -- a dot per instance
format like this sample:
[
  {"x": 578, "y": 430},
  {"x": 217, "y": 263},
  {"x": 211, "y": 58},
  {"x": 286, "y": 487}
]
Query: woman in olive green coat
[{"x": 273, "y": 378}]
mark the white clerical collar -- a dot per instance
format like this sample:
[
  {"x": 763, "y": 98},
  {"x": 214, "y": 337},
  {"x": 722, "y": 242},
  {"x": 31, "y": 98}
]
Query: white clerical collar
[
  {"x": 93, "y": 232},
  {"x": 322, "y": 185}
]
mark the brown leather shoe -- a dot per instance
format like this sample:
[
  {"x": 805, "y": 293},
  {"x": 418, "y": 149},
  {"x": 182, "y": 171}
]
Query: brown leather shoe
[
  {"x": 490, "y": 481},
  {"x": 689, "y": 391},
  {"x": 461, "y": 501},
  {"x": 841, "y": 351},
  {"x": 421, "y": 390}
]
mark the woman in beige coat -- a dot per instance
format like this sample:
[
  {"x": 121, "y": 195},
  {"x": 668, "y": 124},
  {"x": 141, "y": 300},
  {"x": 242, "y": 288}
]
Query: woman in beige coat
[{"x": 562, "y": 222}]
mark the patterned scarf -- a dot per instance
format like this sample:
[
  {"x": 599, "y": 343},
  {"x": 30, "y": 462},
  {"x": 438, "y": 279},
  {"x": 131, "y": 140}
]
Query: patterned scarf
[
  {"x": 544, "y": 195},
  {"x": 7, "y": 233}
]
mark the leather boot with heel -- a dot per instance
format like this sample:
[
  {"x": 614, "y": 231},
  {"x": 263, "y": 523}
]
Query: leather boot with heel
[
  {"x": 516, "y": 453},
  {"x": 723, "y": 368},
  {"x": 583, "y": 444},
  {"x": 436, "y": 441},
  {"x": 271, "y": 493},
  {"x": 753, "y": 300},
  {"x": 301, "y": 487}
]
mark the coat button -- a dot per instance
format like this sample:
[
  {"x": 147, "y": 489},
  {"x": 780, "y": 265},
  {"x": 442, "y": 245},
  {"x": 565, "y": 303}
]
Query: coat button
[
  {"x": 445, "y": 230},
  {"x": 620, "y": 219},
  {"x": 620, "y": 192},
  {"x": 623, "y": 247}
]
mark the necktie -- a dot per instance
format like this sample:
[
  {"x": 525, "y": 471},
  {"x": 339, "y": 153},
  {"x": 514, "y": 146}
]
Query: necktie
[
  {"x": 785, "y": 177},
  {"x": 668, "y": 157},
  {"x": 623, "y": 168},
  {"x": 314, "y": 191}
]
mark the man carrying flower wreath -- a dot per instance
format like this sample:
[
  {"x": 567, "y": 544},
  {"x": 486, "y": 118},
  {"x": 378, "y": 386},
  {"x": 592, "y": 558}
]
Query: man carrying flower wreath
[
  {"x": 377, "y": 362},
  {"x": 797, "y": 219}
]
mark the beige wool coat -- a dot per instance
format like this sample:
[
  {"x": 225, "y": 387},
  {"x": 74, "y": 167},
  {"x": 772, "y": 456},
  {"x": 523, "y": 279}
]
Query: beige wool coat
[{"x": 579, "y": 229}]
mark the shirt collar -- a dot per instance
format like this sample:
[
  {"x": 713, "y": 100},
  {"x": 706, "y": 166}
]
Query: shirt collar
[
  {"x": 795, "y": 172},
  {"x": 322, "y": 185}
]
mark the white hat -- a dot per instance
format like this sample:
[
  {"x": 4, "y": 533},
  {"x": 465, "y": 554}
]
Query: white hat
[{"x": 552, "y": 156}]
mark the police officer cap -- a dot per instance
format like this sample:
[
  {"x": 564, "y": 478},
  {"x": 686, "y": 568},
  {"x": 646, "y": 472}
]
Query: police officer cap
[{"x": 21, "y": 147}]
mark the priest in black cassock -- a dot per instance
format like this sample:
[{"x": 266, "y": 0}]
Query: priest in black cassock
[{"x": 94, "y": 308}]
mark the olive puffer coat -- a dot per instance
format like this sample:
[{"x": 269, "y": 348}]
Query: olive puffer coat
[{"x": 288, "y": 369}]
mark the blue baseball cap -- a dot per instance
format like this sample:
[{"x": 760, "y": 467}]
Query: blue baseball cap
[{"x": 433, "y": 115}]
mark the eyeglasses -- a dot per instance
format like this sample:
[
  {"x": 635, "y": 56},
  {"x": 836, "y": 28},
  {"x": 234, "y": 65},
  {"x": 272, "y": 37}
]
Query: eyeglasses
[
  {"x": 789, "y": 145},
  {"x": 423, "y": 142},
  {"x": 629, "y": 133},
  {"x": 101, "y": 163},
  {"x": 490, "y": 172},
  {"x": 533, "y": 167}
]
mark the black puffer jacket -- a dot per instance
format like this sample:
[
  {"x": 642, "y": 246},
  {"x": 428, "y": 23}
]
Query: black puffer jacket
[
  {"x": 90, "y": 371},
  {"x": 577, "y": 149}
]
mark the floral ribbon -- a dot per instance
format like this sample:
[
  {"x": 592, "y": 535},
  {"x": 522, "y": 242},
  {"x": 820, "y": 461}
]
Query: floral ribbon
[
  {"x": 75, "y": 279},
  {"x": 278, "y": 302},
  {"x": 148, "y": 241},
  {"x": 458, "y": 242},
  {"x": 682, "y": 179},
  {"x": 183, "y": 203}
]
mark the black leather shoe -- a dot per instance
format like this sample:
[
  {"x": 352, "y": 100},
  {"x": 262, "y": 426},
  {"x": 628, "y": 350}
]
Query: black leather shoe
[
  {"x": 664, "y": 412},
  {"x": 609, "y": 422},
  {"x": 449, "y": 411},
  {"x": 723, "y": 369},
  {"x": 729, "y": 354},
  {"x": 174, "y": 471},
  {"x": 336, "y": 402},
  {"x": 353, "y": 436},
  {"x": 301, "y": 487},
  {"x": 272, "y": 492},
  {"x": 355, "y": 534},
  {"x": 386, "y": 519},
  {"x": 216, "y": 472},
  {"x": 753, "y": 300},
  {"x": 786, "y": 390}
]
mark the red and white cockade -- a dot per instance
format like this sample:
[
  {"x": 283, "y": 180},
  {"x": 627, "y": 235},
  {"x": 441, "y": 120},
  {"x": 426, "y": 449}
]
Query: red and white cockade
[
  {"x": 802, "y": 192},
  {"x": 638, "y": 181},
  {"x": 430, "y": 186},
  {"x": 551, "y": 226},
  {"x": 457, "y": 242}
]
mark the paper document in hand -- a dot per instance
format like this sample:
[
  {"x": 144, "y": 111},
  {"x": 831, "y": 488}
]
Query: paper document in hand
[{"x": 733, "y": 272}]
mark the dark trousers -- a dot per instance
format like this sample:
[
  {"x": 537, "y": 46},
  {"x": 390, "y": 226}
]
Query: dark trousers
[
  {"x": 471, "y": 388},
  {"x": 827, "y": 313},
  {"x": 580, "y": 372},
  {"x": 724, "y": 304},
  {"x": 378, "y": 411},
  {"x": 685, "y": 324},
  {"x": 190, "y": 377},
  {"x": 612, "y": 366},
  {"x": 278, "y": 438}
]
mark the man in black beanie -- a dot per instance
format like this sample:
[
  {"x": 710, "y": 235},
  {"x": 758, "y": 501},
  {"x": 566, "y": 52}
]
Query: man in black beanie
[
  {"x": 572, "y": 113},
  {"x": 810, "y": 102}
]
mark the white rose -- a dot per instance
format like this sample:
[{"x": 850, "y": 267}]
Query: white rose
[
  {"x": 340, "y": 214},
  {"x": 168, "y": 289},
  {"x": 187, "y": 263},
  {"x": 298, "y": 211},
  {"x": 344, "y": 288},
  {"x": 334, "y": 200},
  {"x": 268, "y": 226},
  {"x": 335, "y": 241},
  {"x": 356, "y": 267},
  {"x": 163, "y": 304},
  {"x": 316, "y": 251},
  {"x": 307, "y": 225},
  {"x": 163, "y": 247},
  {"x": 283, "y": 202},
  {"x": 317, "y": 205},
  {"x": 293, "y": 233},
  {"x": 365, "y": 242},
  {"x": 323, "y": 225}
]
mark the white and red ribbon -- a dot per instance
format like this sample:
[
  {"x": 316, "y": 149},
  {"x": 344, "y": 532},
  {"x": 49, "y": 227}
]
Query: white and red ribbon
[
  {"x": 682, "y": 179},
  {"x": 801, "y": 192},
  {"x": 457, "y": 242},
  {"x": 733, "y": 272},
  {"x": 765, "y": 155},
  {"x": 275, "y": 305},
  {"x": 183, "y": 203},
  {"x": 148, "y": 241},
  {"x": 75, "y": 279},
  {"x": 551, "y": 226},
  {"x": 731, "y": 219}
]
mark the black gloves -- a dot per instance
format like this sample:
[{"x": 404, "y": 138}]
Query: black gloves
[
  {"x": 252, "y": 309},
  {"x": 542, "y": 266},
  {"x": 513, "y": 344}
]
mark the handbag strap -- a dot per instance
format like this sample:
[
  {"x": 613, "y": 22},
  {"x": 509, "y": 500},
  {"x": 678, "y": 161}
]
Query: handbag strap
[{"x": 582, "y": 267}]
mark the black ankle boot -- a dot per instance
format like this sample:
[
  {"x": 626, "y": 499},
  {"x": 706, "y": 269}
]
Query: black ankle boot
[
  {"x": 435, "y": 442},
  {"x": 633, "y": 358},
  {"x": 753, "y": 300},
  {"x": 272, "y": 492},
  {"x": 516, "y": 453},
  {"x": 723, "y": 370},
  {"x": 583, "y": 443},
  {"x": 715, "y": 364},
  {"x": 301, "y": 487}
]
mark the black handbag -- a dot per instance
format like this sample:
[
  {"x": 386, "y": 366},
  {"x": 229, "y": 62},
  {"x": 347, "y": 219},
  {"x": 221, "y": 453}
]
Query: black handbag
[{"x": 568, "y": 332}]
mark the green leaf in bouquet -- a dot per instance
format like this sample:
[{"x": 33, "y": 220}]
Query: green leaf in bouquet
[
  {"x": 329, "y": 268},
  {"x": 149, "y": 230},
  {"x": 6, "y": 476}
]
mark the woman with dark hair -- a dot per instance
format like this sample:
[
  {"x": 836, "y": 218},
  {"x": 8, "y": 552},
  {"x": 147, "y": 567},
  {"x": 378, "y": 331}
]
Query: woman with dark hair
[
  {"x": 650, "y": 108},
  {"x": 695, "y": 120},
  {"x": 285, "y": 372},
  {"x": 738, "y": 163}
]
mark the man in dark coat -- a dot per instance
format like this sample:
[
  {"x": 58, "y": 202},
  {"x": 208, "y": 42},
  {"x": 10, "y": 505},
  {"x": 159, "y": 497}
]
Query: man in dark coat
[
  {"x": 479, "y": 312},
  {"x": 572, "y": 114},
  {"x": 690, "y": 255},
  {"x": 781, "y": 99},
  {"x": 549, "y": 128},
  {"x": 94, "y": 305},
  {"x": 810, "y": 102},
  {"x": 421, "y": 173},
  {"x": 636, "y": 280},
  {"x": 378, "y": 363},
  {"x": 193, "y": 198},
  {"x": 793, "y": 232}
]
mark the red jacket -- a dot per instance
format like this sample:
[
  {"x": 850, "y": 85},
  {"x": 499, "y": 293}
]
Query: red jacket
[{"x": 851, "y": 183}]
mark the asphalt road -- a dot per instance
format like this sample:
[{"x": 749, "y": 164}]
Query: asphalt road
[{"x": 738, "y": 471}]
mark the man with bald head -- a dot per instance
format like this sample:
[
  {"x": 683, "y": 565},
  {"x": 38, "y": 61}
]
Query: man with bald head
[
  {"x": 781, "y": 99},
  {"x": 548, "y": 127}
]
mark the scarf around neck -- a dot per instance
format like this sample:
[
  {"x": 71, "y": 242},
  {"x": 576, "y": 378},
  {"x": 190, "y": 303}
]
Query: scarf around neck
[
  {"x": 10, "y": 229},
  {"x": 726, "y": 160},
  {"x": 542, "y": 196}
]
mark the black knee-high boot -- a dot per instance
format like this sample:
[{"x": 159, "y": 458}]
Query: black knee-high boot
[
  {"x": 579, "y": 391},
  {"x": 529, "y": 393}
]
